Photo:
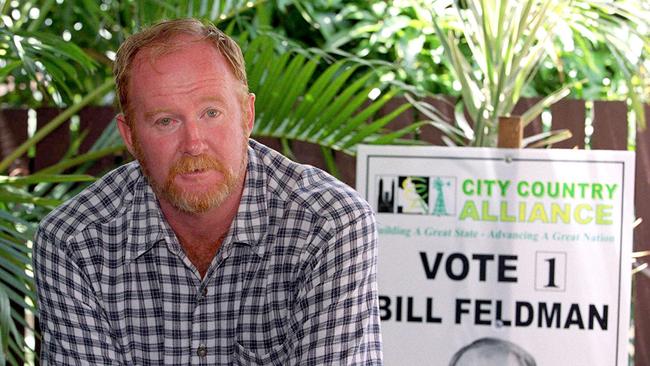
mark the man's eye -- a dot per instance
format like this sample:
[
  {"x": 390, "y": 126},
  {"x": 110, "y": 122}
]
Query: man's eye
[
  {"x": 165, "y": 121},
  {"x": 212, "y": 113}
]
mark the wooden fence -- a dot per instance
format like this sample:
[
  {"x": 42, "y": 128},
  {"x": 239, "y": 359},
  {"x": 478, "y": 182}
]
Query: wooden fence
[{"x": 610, "y": 132}]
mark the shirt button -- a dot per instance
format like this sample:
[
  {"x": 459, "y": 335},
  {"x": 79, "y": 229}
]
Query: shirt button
[
  {"x": 205, "y": 291},
  {"x": 202, "y": 351}
]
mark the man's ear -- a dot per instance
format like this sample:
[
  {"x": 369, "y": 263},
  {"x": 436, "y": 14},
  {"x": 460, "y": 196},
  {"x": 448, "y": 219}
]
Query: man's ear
[
  {"x": 125, "y": 131},
  {"x": 250, "y": 105}
]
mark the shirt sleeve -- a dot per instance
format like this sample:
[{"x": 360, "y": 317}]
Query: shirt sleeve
[
  {"x": 74, "y": 332},
  {"x": 336, "y": 320}
]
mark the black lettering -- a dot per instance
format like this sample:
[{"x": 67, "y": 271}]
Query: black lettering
[
  {"x": 409, "y": 312},
  {"x": 464, "y": 266},
  {"x": 398, "y": 309},
  {"x": 430, "y": 317},
  {"x": 459, "y": 308},
  {"x": 479, "y": 309},
  {"x": 503, "y": 267},
  {"x": 546, "y": 319},
  {"x": 602, "y": 320},
  {"x": 574, "y": 317},
  {"x": 520, "y": 320},
  {"x": 499, "y": 311},
  {"x": 384, "y": 307},
  {"x": 551, "y": 273},
  {"x": 430, "y": 272},
  {"x": 482, "y": 260}
]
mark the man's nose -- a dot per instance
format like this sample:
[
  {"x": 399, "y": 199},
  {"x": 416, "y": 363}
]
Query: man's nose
[{"x": 194, "y": 138}]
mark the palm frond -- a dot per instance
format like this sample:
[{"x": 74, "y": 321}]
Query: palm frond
[
  {"x": 333, "y": 110},
  {"x": 17, "y": 291},
  {"x": 53, "y": 64}
]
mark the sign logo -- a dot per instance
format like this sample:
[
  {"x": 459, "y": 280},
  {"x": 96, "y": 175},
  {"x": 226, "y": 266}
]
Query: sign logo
[{"x": 416, "y": 195}]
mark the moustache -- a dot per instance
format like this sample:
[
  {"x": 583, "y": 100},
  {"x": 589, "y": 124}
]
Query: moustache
[{"x": 190, "y": 164}]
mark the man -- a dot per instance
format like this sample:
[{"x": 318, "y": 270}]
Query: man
[
  {"x": 492, "y": 352},
  {"x": 210, "y": 249}
]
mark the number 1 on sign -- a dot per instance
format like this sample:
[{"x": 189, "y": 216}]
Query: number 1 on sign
[{"x": 550, "y": 271}]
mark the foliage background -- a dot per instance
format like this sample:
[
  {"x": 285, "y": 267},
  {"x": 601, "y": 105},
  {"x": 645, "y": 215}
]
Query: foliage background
[{"x": 321, "y": 70}]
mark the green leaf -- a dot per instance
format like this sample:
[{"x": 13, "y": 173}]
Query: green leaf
[
  {"x": 552, "y": 98},
  {"x": 90, "y": 156},
  {"x": 340, "y": 110},
  {"x": 324, "y": 98},
  {"x": 374, "y": 126},
  {"x": 319, "y": 87},
  {"x": 8, "y": 69},
  {"x": 361, "y": 117},
  {"x": 392, "y": 137},
  {"x": 44, "y": 178},
  {"x": 6, "y": 196},
  {"x": 546, "y": 138},
  {"x": 5, "y": 324}
]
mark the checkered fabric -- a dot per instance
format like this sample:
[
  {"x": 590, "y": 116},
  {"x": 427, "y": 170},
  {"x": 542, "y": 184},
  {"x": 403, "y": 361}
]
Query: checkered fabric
[{"x": 293, "y": 283}]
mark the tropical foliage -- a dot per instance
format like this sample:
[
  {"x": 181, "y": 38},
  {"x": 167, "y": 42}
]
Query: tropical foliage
[
  {"x": 506, "y": 44},
  {"x": 592, "y": 49},
  {"x": 321, "y": 70},
  {"x": 302, "y": 95}
]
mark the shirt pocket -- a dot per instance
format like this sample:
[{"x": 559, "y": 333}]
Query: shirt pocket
[{"x": 246, "y": 357}]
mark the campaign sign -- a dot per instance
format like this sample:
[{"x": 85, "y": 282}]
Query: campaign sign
[{"x": 502, "y": 256}]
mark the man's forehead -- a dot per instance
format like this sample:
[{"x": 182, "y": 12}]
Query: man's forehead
[
  {"x": 176, "y": 45},
  {"x": 488, "y": 356},
  {"x": 186, "y": 65}
]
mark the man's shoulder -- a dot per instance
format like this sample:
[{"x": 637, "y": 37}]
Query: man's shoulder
[
  {"x": 104, "y": 200},
  {"x": 312, "y": 189}
]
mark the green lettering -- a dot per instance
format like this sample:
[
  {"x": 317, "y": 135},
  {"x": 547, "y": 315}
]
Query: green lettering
[
  {"x": 596, "y": 191},
  {"x": 505, "y": 217},
  {"x": 522, "y": 211},
  {"x": 564, "y": 213},
  {"x": 520, "y": 189},
  {"x": 503, "y": 186},
  {"x": 611, "y": 188},
  {"x": 550, "y": 192},
  {"x": 489, "y": 184},
  {"x": 466, "y": 190},
  {"x": 583, "y": 188},
  {"x": 537, "y": 189},
  {"x": 568, "y": 190},
  {"x": 577, "y": 214},
  {"x": 538, "y": 213},
  {"x": 485, "y": 208},
  {"x": 603, "y": 214},
  {"x": 469, "y": 211}
]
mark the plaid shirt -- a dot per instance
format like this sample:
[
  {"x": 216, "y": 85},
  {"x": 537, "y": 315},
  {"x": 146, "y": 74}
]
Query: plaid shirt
[{"x": 293, "y": 283}]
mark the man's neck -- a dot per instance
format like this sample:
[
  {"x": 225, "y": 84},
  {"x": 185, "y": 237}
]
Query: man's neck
[{"x": 201, "y": 234}]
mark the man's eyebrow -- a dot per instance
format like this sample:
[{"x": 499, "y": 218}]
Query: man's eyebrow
[
  {"x": 152, "y": 113},
  {"x": 208, "y": 98}
]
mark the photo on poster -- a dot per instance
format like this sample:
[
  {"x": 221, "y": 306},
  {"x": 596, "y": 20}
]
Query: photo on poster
[
  {"x": 490, "y": 351},
  {"x": 386, "y": 187},
  {"x": 413, "y": 195},
  {"x": 443, "y": 196}
]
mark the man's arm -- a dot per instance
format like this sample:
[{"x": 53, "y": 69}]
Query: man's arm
[
  {"x": 73, "y": 328},
  {"x": 336, "y": 320}
]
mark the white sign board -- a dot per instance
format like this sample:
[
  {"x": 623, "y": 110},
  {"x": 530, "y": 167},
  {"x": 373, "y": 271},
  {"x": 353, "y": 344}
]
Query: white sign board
[{"x": 503, "y": 256}]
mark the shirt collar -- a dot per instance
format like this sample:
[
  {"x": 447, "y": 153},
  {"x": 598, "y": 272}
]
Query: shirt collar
[
  {"x": 147, "y": 226},
  {"x": 250, "y": 224}
]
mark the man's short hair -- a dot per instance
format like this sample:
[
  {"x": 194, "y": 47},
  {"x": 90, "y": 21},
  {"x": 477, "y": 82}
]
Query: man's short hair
[
  {"x": 157, "y": 38},
  {"x": 506, "y": 347}
]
